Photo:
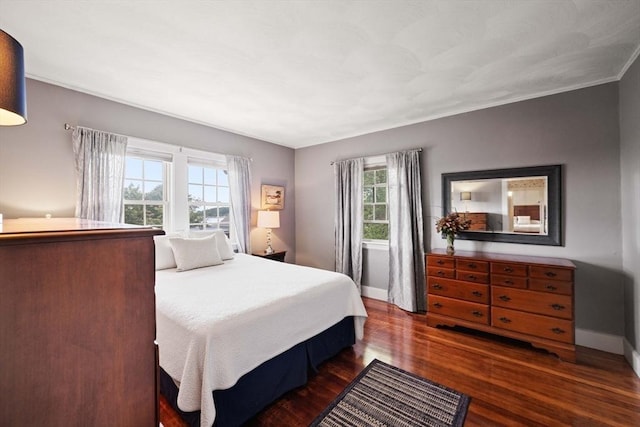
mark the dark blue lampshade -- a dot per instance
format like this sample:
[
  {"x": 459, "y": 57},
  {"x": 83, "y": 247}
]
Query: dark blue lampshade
[{"x": 13, "y": 93}]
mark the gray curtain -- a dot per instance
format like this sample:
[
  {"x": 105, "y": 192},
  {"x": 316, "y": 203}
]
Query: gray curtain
[
  {"x": 348, "y": 218},
  {"x": 406, "y": 243},
  {"x": 99, "y": 160},
  {"x": 240, "y": 192}
]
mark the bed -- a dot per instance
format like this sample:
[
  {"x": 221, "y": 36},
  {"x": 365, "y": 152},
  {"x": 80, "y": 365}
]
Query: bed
[
  {"x": 234, "y": 336},
  {"x": 526, "y": 219}
]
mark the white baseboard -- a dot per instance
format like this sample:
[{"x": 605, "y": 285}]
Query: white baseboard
[
  {"x": 375, "y": 293},
  {"x": 599, "y": 341},
  {"x": 632, "y": 356}
]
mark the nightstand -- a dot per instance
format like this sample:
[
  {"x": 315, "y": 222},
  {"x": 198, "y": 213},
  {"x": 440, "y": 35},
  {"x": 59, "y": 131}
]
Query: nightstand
[{"x": 276, "y": 256}]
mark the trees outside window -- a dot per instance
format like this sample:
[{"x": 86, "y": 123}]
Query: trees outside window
[
  {"x": 145, "y": 198},
  {"x": 376, "y": 221},
  {"x": 209, "y": 203}
]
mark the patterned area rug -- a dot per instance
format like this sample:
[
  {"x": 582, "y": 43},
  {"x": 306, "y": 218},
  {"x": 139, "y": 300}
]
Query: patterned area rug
[{"x": 383, "y": 395}]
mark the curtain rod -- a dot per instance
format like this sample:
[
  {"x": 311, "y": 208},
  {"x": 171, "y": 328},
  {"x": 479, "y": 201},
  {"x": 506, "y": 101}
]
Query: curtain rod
[
  {"x": 382, "y": 154},
  {"x": 67, "y": 126}
]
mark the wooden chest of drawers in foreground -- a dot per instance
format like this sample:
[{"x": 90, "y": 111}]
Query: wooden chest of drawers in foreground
[{"x": 521, "y": 297}]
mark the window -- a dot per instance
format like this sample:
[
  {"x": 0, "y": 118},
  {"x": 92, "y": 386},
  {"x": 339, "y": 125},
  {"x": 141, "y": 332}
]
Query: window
[
  {"x": 376, "y": 222},
  {"x": 209, "y": 204},
  {"x": 176, "y": 188},
  {"x": 145, "y": 196}
]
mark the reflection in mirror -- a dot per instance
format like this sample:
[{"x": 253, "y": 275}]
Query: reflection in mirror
[
  {"x": 519, "y": 205},
  {"x": 507, "y": 205}
]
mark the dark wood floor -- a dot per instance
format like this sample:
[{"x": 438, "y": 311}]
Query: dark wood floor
[{"x": 509, "y": 382}]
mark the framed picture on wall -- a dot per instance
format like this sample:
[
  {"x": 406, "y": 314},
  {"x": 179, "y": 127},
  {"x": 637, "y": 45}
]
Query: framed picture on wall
[{"x": 272, "y": 197}]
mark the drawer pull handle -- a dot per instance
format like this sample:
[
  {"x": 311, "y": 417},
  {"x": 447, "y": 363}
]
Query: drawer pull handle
[
  {"x": 476, "y": 293},
  {"x": 437, "y": 286},
  {"x": 551, "y": 287},
  {"x": 557, "y": 306},
  {"x": 557, "y": 331},
  {"x": 550, "y": 274},
  {"x": 477, "y": 313},
  {"x": 440, "y": 273},
  {"x": 472, "y": 265},
  {"x": 472, "y": 277},
  {"x": 508, "y": 282},
  {"x": 504, "y": 298},
  {"x": 437, "y": 305},
  {"x": 505, "y": 320},
  {"x": 440, "y": 262},
  {"x": 508, "y": 269}
]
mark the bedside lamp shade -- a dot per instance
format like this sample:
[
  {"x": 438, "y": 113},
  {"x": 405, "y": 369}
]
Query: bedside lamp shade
[
  {"x": 268, "y": 219},
  {"x": 465, "y": 195},
  {"x": 13, "y": 94}
]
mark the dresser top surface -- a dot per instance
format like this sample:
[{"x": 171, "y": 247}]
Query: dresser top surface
[
  {"x": 489, "y": 256},
  {"x": 12, "y": 228}
]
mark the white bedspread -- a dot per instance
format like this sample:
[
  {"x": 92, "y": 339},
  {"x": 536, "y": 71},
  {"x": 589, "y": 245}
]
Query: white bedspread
[
  {"x": 526, "y": 228},
  {"x": 215, "y": 324}
]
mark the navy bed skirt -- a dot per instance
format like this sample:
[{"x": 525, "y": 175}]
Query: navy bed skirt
[{"x": 266, "y": 383}]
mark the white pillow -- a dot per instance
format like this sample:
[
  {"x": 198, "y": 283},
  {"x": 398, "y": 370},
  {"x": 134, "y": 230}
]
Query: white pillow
[
  {"x": 222, "y": 242},
  {"x": 524, "y": 220},
  {"x": 195, "y": 253},
  {"x": 224, "y": 245},
  {"x": 164, "y": 253}
]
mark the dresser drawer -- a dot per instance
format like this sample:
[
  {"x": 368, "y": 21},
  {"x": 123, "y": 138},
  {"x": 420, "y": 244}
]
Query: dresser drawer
[
  {"x": 440, "y": 261},
  {"x": 554, "y": 286},
  {"x": 533, "y": 324},
  {"x": 472, "y": 265},
  {"x": 475, "y": 216},
  {"x": 508, "y": 269},
  {"x": 478, "y": 226},
  {"x": 441, "y": 272},
  {"x": 473, "y": 312},
  {"x": 472, "y": 276},
  {"x": 478, "y": 221},
  {"x": 462, "y": 290},
  {"x": 542, "y": 272},
  {"x": 533, "y": 302},
  {"x": 511, "y": 281}
]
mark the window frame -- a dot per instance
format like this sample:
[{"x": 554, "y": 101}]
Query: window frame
[
  {"x": 165, "y": 202},
  {"x": 376, "y": 162},
  {"x": 176, "y": 218},
  {"x": 191, "y": 161}
]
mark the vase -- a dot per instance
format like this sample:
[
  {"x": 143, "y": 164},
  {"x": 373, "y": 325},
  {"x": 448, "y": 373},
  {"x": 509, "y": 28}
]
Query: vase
[{"x": 450, "y": 248}]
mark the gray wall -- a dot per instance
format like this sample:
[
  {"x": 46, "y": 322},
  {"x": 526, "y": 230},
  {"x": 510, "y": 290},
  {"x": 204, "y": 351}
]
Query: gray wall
[
  {"x": 36, "y": 160},
  {"x": 630, "y": 190},
  {"x": 578, "y": 129}
]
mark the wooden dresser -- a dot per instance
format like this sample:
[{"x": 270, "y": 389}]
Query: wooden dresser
[
  {"x": 521, "y": 297},
  {"x": 478, "y": 220},
  {"x": 77, "y": 324}
]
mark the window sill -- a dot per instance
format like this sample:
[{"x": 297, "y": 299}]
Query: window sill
[{"x": 379, "y": 245}]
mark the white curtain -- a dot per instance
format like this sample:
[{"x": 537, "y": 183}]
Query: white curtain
[
  {"x": 348, "y": 218},
  {"x": 406, "y": 244},
  {"x": 240, "y": 192},
  {"x": 99, "y": 160}
]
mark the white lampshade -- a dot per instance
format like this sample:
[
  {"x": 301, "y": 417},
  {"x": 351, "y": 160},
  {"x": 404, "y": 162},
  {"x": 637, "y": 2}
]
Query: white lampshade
[
  {"x": 268, "y": 219},
  {"x": 13, "y": 96}
]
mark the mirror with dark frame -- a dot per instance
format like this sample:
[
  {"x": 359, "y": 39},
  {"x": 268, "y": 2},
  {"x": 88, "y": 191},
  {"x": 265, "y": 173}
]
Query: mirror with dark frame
[{"x": 518, "y": 205}]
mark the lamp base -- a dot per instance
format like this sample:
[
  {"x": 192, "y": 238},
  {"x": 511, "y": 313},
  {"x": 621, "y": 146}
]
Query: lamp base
[{"x": 269, "y": 249}]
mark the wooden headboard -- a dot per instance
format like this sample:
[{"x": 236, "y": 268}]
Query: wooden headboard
[{"x": 532, "y": 211}]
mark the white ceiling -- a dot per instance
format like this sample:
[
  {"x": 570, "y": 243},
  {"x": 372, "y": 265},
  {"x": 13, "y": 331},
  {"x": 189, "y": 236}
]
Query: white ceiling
[{"x": 299, "y": 73}]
